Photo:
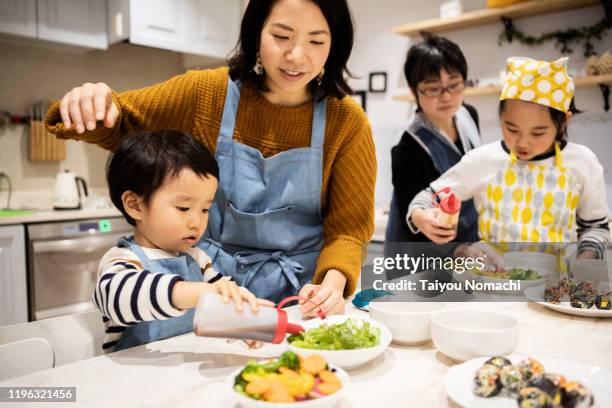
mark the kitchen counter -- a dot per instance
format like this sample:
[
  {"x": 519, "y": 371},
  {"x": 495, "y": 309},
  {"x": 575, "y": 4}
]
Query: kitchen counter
[
  {"x": 190, "y": 371},
  {"x": 55, "y": 215}
]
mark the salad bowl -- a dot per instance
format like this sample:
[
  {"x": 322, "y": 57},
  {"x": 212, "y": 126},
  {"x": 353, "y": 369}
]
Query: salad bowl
[{"x": 343, "y": 340}]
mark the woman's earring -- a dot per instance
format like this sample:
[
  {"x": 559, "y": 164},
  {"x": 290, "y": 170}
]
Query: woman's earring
[
  {"x": 258, "y": 67},
  {"x": 320, "y": 77}
]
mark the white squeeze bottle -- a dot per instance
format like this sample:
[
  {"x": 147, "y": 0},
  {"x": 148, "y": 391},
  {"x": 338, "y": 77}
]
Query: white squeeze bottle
[
  {"x": 448, "y": 207},
  {"x": 214, "y": 318}
]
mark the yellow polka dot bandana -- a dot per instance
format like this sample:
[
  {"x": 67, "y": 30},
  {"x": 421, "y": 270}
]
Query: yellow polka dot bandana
[{"x": 541, "y": 82}]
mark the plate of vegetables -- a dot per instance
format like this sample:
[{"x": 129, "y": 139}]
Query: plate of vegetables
[
  {"x": 505, "y": 382},
  {"x": 346, "y": 341},
  {"x": 289, "y": 381}
]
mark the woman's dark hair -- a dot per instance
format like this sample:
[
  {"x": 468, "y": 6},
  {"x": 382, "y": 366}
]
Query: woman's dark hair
[
  {"x": 559, "y": 118},
  {"x": 340, "y": 22},
  {"x": 426, "y": 59},
  {"x": 143, "y": 160}
]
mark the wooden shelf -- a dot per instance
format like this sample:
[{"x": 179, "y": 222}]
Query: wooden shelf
[
  {"x": 491, "y": 15},
  {"x": 580, "y": 82}
]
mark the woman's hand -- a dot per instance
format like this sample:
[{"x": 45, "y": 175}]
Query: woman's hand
[
  {"x": 427, "y": 222},
  {"x": 84, "y": 105},
  {"x": 328, "y": 295}
]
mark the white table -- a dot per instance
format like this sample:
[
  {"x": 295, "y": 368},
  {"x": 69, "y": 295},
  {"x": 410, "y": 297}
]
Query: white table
[{"x": 189, "y": 371}]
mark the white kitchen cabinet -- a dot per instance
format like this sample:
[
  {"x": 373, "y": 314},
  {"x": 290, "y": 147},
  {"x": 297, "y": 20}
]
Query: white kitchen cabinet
[
  {"x": 84, "y": 23},
  {"x": 18, "y": 17},
  {"x": 201, "y": 27},
  {"x": 13, "y": 287}
]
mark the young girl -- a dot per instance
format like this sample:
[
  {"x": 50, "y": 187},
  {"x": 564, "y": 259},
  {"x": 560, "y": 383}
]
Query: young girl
[
  {"x": 534, "y": 186},
  {"x": 163, "y": 182}
]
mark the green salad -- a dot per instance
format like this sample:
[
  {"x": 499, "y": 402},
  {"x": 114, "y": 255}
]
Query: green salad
[{"x": 348, "y": 335}]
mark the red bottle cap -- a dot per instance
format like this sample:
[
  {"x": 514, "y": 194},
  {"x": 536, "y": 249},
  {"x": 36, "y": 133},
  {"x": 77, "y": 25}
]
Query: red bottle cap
[{"x": 450, "y": 204}]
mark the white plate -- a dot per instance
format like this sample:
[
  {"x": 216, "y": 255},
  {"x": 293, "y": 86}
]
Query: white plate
[
  {"x": 347, "y": 358},
  {"x": 328, "y": 401},
  {"x": 536, "y": 294},
  {"x": 459, "y": 382}
]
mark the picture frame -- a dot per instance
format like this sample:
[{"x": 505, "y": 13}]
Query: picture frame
[
  {"x": 377, "y": 82},
  {"x": 360, "y": 98}
]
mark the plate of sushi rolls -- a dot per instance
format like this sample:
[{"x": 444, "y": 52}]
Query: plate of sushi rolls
[
  {"x": 575, "y": 297},
  {"x": 526, "y": 382}
]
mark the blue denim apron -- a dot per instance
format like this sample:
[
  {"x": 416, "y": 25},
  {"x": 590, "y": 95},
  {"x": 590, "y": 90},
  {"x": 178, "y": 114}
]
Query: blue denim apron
[
  {"x": 265, "y": 227},
  {"x": 145, "y": 332},
  {"x": 444, "y": 155}
]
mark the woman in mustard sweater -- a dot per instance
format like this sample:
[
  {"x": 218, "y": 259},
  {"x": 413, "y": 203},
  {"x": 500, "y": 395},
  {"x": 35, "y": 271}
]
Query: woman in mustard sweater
[{"x": 296, "y": 157}]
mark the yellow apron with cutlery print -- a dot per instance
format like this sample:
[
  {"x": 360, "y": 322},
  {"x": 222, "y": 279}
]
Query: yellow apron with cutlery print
[{"x": 530, "y": 203}]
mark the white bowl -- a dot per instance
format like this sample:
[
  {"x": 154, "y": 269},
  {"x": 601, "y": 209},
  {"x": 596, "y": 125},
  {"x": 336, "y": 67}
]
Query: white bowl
[
  {"x": 409, "y": 322},
  {"x": 346, "y": 358},
  {"x": 540, "y": 261},
  {"x": 465, "y": 334},
  {"x": 328, "y": 401}
]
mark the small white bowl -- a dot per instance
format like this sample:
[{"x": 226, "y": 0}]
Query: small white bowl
[
  {"x": 328, "y": 401},
  {"x": 465, "y": 334},
  {"x": 346, "y": 358},
  {"x": 540, "y": 261},
  {"x": 409, "y": 322}
]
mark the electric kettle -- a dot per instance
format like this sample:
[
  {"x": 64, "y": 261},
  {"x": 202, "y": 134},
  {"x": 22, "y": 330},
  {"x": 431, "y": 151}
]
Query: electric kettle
[{"x": 67, "y": 194}]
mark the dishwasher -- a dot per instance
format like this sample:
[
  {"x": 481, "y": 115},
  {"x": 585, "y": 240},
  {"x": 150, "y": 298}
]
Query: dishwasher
[{"x": 63, "y": 262}]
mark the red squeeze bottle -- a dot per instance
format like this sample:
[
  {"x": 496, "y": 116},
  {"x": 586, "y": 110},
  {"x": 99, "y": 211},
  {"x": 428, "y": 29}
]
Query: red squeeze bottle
[{"x": 448, "y": 207}]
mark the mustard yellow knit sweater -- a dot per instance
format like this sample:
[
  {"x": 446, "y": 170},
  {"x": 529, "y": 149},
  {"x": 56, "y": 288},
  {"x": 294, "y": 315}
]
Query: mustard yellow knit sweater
[{"x": 194, "y": 102}]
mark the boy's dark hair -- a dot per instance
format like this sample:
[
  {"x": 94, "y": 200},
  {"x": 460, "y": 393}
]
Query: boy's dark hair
[
  {"x": 143, "y": 160},
  {"x": 559, "y": 118},
  {"x": 340, "y": 22},
  {"x": 427, "y": 58}
]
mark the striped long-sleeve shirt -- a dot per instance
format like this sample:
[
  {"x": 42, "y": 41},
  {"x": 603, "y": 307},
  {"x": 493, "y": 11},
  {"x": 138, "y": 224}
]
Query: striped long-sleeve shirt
[
  {"x": 469, "y": 178},
  {"x": 128, "y": 294}
]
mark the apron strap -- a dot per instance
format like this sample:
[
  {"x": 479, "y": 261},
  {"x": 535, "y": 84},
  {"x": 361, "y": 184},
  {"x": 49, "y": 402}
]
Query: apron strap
[
  {"x": 558, "y": 156},
  {"x": 256, "y": 260},
  {"x": 319, "y": 112},
  {"x": 128, "y": 242},
  {"x": 232, "y": 99}
]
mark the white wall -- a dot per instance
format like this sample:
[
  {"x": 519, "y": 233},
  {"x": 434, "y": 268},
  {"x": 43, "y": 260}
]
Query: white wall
[{"x": 378, "y": 49}]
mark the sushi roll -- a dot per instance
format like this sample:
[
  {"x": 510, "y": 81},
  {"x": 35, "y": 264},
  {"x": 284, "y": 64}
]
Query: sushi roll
[
  {"x": 582, "y": 300},
  {"x": 551, "y": 385},
  {"x": 552, "y": 294},
  {"x": 531, "y": 368},
  {"x": 486, "y": 381},
  {"x": 512, "y": 378},
  {"x": 531, "y": 397},
  {"x": 575, "y": 395},
  {"x": 602, "y": 302},
  {"x": 498, "y": 361}
]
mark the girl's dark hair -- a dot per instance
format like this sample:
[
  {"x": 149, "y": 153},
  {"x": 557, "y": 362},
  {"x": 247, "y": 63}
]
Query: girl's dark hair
[
  {"x": 340, "y": 22},
  {"x": 427, "y": 58},
  {"x": 143, "y": 160},
  {"x": 559, "y": 118}
]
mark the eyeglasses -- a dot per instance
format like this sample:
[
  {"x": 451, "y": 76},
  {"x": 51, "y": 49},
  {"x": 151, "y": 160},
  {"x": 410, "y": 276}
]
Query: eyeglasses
[{"x": 437, "y": 91}]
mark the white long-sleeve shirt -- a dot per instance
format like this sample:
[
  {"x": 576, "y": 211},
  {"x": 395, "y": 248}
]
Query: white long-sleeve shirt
[
  {"x": 127, "y": 294},
  {"x": 469, "y": 178}
]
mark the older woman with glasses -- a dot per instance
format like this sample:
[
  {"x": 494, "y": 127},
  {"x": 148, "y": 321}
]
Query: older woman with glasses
[{"x": 442, "y": 131}]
